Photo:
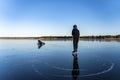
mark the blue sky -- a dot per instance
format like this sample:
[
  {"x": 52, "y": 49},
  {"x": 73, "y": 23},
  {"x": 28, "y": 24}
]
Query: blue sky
[{"x": 56, "y": 17}]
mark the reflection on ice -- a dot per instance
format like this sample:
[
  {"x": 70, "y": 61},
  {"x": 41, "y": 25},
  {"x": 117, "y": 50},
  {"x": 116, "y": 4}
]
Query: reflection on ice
[{"x": 55, "y": 61}]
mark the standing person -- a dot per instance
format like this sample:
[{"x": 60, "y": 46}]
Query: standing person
[{"x": 75, "y": 35}]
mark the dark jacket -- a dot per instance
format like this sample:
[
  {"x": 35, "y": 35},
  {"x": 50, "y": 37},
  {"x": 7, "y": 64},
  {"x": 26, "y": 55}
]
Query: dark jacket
[{"x": 75, "y": 33}]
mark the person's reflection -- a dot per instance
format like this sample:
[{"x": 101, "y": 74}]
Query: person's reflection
[{"x": 75, "y": 71}]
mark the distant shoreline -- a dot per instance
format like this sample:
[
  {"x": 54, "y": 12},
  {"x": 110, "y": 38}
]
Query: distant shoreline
[{"x": 100, "y": 37}]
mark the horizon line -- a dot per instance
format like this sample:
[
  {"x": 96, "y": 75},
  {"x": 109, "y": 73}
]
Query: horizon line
[{"x": 60, "y": 36}]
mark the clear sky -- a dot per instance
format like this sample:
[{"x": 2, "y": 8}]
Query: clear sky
[{"x": 56, "y": 17}]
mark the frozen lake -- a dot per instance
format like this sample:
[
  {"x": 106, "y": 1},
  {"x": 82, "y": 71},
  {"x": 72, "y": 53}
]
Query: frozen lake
[{"x": 23, "y": 60}]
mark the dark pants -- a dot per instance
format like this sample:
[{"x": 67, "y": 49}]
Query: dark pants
[{"x": 75, "y": 43}]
